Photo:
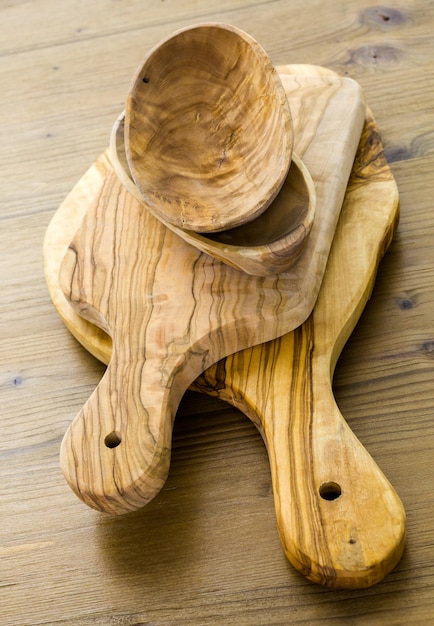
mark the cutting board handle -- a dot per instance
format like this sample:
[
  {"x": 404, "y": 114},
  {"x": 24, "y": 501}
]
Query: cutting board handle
[
  {"x": 116, "y": 452},
  {"x": 339, "y": 518}
]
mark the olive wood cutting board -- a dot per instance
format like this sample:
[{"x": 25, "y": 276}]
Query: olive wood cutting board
[
  {"x": 340, "y": 521},
  {"x": 172, "y": 310}
]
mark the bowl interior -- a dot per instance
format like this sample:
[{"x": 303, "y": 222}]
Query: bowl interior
[{"x": 208, "y": 129}]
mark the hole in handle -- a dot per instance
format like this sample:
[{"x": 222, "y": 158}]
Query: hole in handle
[
  {"x": 113, "y": 439},
  {"x": 330, "y": 491}
]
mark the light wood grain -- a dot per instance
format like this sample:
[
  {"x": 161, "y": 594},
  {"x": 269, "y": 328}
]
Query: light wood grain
[
  {"x": 208, "y": 129},
  {"x": 206, "y": 550}
]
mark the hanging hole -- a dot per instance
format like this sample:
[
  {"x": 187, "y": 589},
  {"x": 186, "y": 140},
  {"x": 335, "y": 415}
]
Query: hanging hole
[
  {"x": 145, "y": 80},
  {"x": 330, "y": 491},
  {"x": 113, "y": 439}
]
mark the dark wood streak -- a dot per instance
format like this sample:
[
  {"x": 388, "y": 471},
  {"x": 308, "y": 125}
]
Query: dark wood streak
[
  {"x": 370, "y": 164},
  {"x": 301, "y": 429}
]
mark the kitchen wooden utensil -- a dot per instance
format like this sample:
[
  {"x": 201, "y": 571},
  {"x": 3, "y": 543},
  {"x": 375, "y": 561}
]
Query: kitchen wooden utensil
[
  {"x": 208, "y": 128},
  {"x": 172, "y": 311},
  {"x": 340, "y": 555},
  {"x": 269, "y": 244}
]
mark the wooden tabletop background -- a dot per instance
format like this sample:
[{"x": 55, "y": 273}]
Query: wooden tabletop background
[{"x": 206, "y": 550}]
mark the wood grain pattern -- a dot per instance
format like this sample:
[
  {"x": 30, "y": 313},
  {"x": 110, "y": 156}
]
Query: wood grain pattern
[
  {"x": 354, "y": 533},
  {"x": 340, "y": 521},
  {"x": 208, "y": 129},
  {"x": 173, "y": 311},
  {"x": 269, "y": 244},
  {"x": 205, "y": 552}
]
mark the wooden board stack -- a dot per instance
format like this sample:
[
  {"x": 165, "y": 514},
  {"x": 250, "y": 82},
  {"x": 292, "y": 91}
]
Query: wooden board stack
[{"x": 173, "y": 314}]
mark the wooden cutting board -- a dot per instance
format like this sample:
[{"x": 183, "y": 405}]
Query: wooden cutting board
[
  {"x": 340, "y": 521},
  {"x": 172, "y": 311},
  {"x": 347, "y": 540}
]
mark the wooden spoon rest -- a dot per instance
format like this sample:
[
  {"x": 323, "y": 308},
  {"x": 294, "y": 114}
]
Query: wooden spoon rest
[{"x": 172, "y": 311}]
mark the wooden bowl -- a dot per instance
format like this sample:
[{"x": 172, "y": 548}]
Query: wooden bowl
[
  {"x": 268, "y": 245},
  {"x": 208, "y": 130}
]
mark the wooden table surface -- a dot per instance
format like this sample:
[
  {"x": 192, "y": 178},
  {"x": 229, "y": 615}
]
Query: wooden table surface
[{"x": 206, "y": 549}]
